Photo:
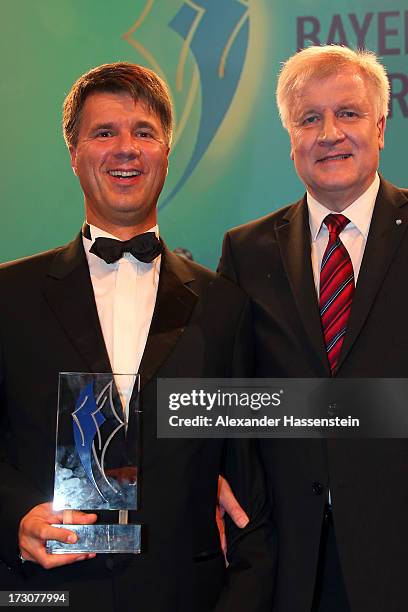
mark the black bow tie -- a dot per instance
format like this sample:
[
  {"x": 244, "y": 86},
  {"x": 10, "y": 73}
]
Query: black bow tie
[{"x": 145, "y": 247}]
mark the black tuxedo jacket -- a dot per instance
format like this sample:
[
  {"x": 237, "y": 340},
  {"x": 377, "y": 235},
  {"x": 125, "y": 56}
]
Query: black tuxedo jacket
[
  {"x": 48, "y": 324},
  {"x": 270, "y": 259}
]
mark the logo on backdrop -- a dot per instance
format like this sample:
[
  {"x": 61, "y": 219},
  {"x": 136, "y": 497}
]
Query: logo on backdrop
[{"x": 207, "y": 70}]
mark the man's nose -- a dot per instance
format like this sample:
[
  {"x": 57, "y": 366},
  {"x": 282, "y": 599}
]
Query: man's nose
[
  {"x": 127, "y": 145},
  {"x": 330, "y": 130}
]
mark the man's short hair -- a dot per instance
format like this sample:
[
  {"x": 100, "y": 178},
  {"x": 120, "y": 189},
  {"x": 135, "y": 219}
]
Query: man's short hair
[
  {"x": 324, "y": 61},
  {"x": 120, "y": 77}
]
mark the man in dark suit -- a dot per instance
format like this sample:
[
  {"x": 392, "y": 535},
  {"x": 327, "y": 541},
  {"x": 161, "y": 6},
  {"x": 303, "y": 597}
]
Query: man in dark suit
[
  {"x": 326, "y": 280},
  {"x": 108, "y": 302}
]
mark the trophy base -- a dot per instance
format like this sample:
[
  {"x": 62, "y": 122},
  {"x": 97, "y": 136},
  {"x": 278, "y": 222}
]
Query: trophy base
[{"x": 99, "y": 539}]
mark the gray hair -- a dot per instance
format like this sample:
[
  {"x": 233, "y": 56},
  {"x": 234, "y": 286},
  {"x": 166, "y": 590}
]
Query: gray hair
[{"x": 325, "y": 61}]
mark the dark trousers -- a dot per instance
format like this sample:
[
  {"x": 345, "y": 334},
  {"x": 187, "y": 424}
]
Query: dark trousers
[{"x": 330, "y": 593}]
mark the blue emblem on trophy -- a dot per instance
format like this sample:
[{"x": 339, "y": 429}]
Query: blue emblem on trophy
[{"x": 97, "y": 454}]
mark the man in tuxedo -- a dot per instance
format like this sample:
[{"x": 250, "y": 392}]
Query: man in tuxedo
[
  {"x": 326, "y": 276},
  {"x": 116, "y": 299}
]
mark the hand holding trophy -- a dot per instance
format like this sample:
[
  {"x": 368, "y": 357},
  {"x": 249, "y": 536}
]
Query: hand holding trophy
[{"x": 97, "y": 459}]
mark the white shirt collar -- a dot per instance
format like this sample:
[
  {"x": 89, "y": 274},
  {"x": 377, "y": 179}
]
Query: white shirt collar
[
  {"x": 359, "y": 212},
  {"x": 96, "y": 232}
]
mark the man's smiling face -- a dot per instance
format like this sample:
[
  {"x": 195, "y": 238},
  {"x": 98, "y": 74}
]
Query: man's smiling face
[
  {"x": 121, "y": 161},
  {"x": 336, "y": 137}
]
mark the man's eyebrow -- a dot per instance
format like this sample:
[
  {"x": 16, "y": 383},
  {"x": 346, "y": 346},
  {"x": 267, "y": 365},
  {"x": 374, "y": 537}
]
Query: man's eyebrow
[
  {"x": 299, "y": 114},
  {"x": 102, "y": 126},
  {"x": 110, "y": 125},
  {"x": 347, "y": 103},
  {"x": 144, "y": 124},
  {"x": 308, "y": 110}
]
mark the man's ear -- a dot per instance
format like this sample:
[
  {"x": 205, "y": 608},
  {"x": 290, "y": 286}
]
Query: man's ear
[
  {"x": 72, "y": 155},
  {"x": 167, "y": 155},
  {"x": 381, "y": 130},
  {"x": 292, "y": 156}
]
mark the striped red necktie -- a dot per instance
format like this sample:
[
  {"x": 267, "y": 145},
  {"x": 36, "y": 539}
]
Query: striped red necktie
[{"x": 336, "y": 289}]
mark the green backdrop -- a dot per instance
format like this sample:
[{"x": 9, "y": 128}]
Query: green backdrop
[{"x": 230, "y": 161}]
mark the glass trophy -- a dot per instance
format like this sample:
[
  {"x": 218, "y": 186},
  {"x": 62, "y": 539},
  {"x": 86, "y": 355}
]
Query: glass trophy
[{"x": 97, "y": 459}]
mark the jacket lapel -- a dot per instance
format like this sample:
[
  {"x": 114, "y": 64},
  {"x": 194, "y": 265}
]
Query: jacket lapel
[
  {"x": 383, "y": 240},
  {"x": 68, "y": 291},
  {"x": 294, "y": 242},
  {"x": 175, "y": 302}
]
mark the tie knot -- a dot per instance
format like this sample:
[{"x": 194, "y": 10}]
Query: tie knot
[{"x": 336, "y": 223}]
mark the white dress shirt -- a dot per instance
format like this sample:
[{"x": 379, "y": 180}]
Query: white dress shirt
[
  {"x": 354, "y": 235},
  {"x": 125, "y": 294}
]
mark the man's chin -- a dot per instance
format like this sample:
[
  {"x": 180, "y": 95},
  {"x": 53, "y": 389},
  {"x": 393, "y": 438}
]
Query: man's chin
[
  {"x": 129, "y": 215},
  {"x": 335, "y": 184}
]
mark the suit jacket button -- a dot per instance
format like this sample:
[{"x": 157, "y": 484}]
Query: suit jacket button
[{"x": 317, "y": 488}]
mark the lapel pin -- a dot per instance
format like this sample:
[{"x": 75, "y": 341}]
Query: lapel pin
[{"x": 398, "y": 221}]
